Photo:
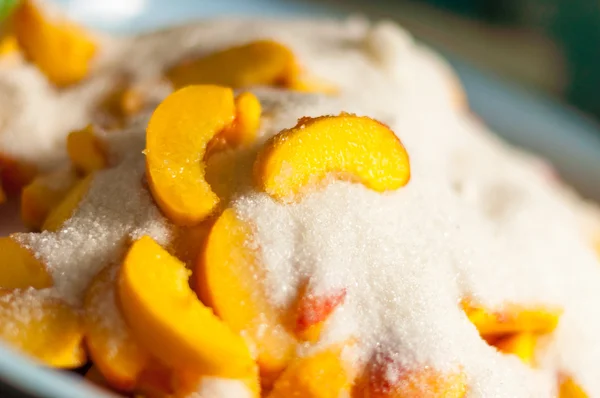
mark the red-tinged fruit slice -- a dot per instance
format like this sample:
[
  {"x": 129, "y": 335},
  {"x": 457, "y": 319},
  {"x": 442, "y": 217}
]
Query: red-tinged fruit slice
[{"x": 229, "y": 279}]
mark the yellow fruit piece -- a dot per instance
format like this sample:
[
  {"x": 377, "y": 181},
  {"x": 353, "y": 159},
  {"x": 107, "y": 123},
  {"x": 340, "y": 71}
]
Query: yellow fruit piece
[
  {"x": 321, "y": 375},
  {"x": 229, "y": 279},
  {"x": 62, "y": 50},
  {"x": 19, "y": 269},
  {"x": 425, "y": 382},
  {"x": 66, "y": 208},
  {"x": 119, "y": 105},
  {"x": 570, "y": 389},
  {"x": 513, "y": 319},
  {"x": 112, "y": 347},
  {"x": 520, "y": 344},
  {"x": 244, "y": 128},
  {"x": 42, "y": 327},
  {"x": 86, "y": 151},
  {"x": 155, "y": 381},
  {"x": 259, "y": 63},
  {"x": 43, "y": 194},
  {"x": 345, "y": 147},
  {"x": 168, "y": 319},
  {"x": 8, "y": 45},
  {"x": 176, "y": 139}
]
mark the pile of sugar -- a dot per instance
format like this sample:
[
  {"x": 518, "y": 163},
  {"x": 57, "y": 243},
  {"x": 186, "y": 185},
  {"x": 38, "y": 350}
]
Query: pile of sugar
[
  {"x": 117, "y": 210},
  {"x": 478, "y": 219}
]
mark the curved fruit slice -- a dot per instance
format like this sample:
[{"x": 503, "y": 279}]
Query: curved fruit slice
[
  {"x": 19, "y": 269},
  {"x": 8, "y": 45},
  {"x": 86, "y": 151},
  {"x": 313, "y": 311},
  {"x": 259, "y": 63},
  {"x": 229, "y": 278},
  {"x": 570, "y": 389},
  {"x": 61, "y": 49},
  {"x": 160, "y": 307},
  {"x": 66, "y": 208},
  {"x": 425, "y": 382},
  {"x": 155, "y": 381},
  {"x": 176, "y": 139},
  {"x": 321, "y": 375},
  {"x": 243, "y": 129},
  {"x": 513, "y": 319},
  {"x": 42, "y": 327},
  {"x": 345, "y": 146},
  {"x": 112, "y": 348},
  {"x": 43, "y": 194},
  {"x": 520, "y": 344}
]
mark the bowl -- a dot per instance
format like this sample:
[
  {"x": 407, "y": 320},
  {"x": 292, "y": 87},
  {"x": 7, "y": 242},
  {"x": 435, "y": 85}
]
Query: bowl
[{"x": 568, "y": 139}]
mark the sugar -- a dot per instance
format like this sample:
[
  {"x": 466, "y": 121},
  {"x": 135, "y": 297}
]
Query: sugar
[
  {"x": 117, "y": 210},
  {"x": 215, "y": 387}
]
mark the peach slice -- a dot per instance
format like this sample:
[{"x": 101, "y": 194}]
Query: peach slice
[
  {"x": 259, "y": 63},
  {"x": 520, "y": 344},
  {"x": 425, "y": 382},
  {"x": 62, "y": 50},
  {"x": 155, "y": 381},
  {"x": 119, "y": 105},
  {"x": 160, "y": 307},
  {"x": 321, "y": 375},
  {"x": 43, "y": 194},
  {"x": 513, "y": 319},
  {"x": 345, "y": 147},
  {"x": 43, "y": 327},
  {"x": 176, "y": 139},
  {"x": 19, "y": 269},
  {"x": 8, "y": 45},
  {"x": 86, "y": 151},
  {"x": 313, "y": 311},
  {"x": 116, "y": 354},
  {"x": 570, "y": 389},
  {"x": 228, "y": 279},
  {"x": 66, "y": 208},
  {"x": 244, "y": 127}
]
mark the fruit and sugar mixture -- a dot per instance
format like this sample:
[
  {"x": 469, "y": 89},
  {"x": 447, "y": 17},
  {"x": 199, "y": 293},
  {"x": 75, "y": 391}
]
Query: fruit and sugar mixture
[{"x": 252, "y": 208}]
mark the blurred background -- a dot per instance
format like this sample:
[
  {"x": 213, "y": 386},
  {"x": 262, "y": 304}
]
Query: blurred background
[{"x": 548, "y": 45}]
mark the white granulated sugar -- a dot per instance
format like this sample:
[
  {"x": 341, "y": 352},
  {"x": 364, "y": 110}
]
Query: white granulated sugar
[
  {"x": 215, "y": 387},
  {"x": 116, "y": 210},
  {"x": 479, "y": 220},
  {"x": 21, "y": 307}
]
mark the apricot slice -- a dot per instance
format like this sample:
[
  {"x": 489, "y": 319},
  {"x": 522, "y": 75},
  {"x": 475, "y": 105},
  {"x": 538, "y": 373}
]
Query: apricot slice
[
  {"x": 160, "y": 307},
  {"x": 321, "y": 375},
  {"x": 86, "y": 151},
  {"x": 68, "y": 205},
  {"x": 313, "y": 311},
  {"x": 520, "y": 344},
  {"x": 19, "y": 269},
  {"x": 62, "y": 50},
  {"x": 513, "y": 319},
  {"x": 43, "y": 194},
  {"x": 244, "y": 127},
  {"x": 344, "y": 147},
  {"x": 176, "y": 139},
  {"x": 424, "y": 382},
  {"x": 115, "y": 352},
  {"x": 42, "y": 327},
  {"x": 570, "y": 389},
  {"x": 228, "y": 279},
  {"x": 8, "y": 45},
  {"x": 259, "y": 63}
]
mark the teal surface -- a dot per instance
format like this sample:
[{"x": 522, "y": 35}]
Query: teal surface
[{"x": 570, "y": 140}]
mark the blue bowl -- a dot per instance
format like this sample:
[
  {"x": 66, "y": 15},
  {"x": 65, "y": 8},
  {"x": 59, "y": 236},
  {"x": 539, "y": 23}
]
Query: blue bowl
[{"x": 569, "y": 140}]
